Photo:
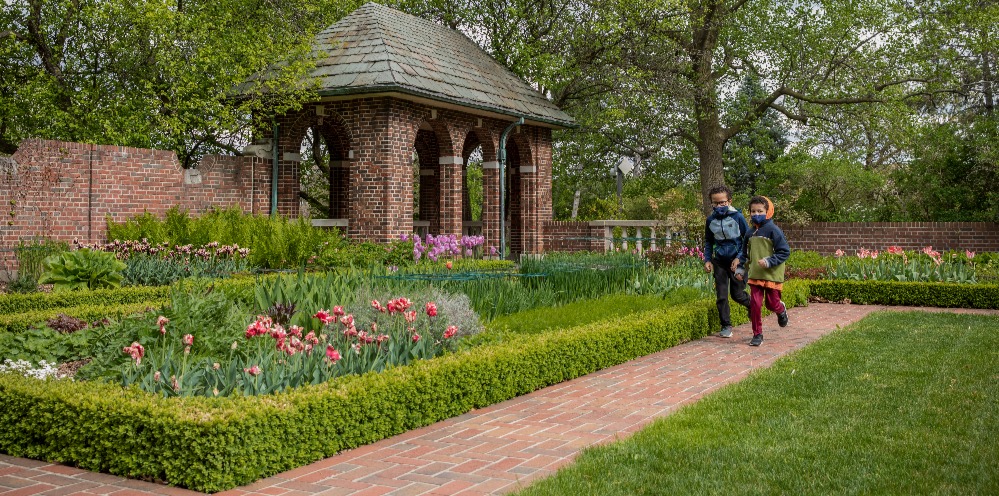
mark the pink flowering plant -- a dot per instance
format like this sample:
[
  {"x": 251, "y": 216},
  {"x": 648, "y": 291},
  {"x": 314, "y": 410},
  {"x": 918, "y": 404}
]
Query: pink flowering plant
[
  {"x": 897, "y": 264},
  {"x": 435, "y": 248},
  {"x": 271, "y": 357},
  {"x": 160, "y": 264}
]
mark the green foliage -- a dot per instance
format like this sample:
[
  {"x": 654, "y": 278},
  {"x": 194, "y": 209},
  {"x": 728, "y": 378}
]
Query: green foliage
[
  {"x": 952, "y": 176},
  {"x": 30, "y": 257},
  {"x": 608, "y": 309},
  {"x": 748, "y": 155},
  {"x": 900, "y": 266},
  {"x": 22, "y": 321},
  {"x": 152, "y": 270},
  {"x": 35, "y": 345},
  {"x": 16, "y": 303},
  {"x": 274, "y": 242},
  {"x": 165, "y": 80},
  {"x": 801, "y": 259},
  {"x": 82, "y": 269},
  {"x": 831, "y": 187},
  {"x": 949, "y": 295},
  {"x": 367, "y": 254}
]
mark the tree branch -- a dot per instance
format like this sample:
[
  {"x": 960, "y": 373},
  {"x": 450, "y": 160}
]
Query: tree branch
[
  {"x": 314, "y": 202},
  {"x": 790, "y": 115}
]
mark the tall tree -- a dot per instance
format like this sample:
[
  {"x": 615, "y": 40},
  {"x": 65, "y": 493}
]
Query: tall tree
[
  {"x": 152, "y": 73},
  {"x": 806, "y": 55}
]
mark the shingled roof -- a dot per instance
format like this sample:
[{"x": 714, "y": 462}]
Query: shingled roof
[{"x": 377, "y": 49}]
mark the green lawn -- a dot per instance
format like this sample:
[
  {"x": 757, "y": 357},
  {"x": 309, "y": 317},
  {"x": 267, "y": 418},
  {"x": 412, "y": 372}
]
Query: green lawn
[{"x": 900, "y": 403}]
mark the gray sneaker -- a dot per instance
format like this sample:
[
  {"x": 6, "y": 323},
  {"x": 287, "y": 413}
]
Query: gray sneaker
[{"x": 726, "y": 332}]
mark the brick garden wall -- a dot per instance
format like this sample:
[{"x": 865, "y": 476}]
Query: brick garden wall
[
  {"x": 824, "y": 237},
  {"x": 827, "y": 237},
  {"x": 64, "y": 190}
]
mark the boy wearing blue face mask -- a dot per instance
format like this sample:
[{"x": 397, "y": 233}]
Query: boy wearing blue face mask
[
  {"x": 723, "y": 237},
  {"x": 763, "y": 254}
]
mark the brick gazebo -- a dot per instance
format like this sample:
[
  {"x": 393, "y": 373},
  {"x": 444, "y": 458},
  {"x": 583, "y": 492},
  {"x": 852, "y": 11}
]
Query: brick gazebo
[{"x": 394, "y": 87}]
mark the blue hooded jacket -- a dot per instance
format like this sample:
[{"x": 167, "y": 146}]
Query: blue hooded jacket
[{"x": 724, "y": 234}]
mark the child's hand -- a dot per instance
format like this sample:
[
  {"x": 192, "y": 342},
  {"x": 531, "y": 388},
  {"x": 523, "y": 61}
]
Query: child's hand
[
  {"x": 709, "y": 267},
  {"x": 735, "y": 264},
  {"x": 763, "y": 263},
  {"x": 738, "y": 276}
]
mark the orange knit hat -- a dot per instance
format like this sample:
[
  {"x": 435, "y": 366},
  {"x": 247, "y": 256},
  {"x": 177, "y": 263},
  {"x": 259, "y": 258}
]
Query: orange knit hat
[{"x": 770, "y": 207}]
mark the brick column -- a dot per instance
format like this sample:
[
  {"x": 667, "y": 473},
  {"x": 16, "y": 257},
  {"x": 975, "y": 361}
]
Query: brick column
[
  {"x": 430, "y": 198},
  {"x": 451, "y": 170},
  {"x": 339, "y": 188},
  {"x": 529, "y": 223},
  {"x": 490, "y": 204},
  {"x": 515, "y": 225}
]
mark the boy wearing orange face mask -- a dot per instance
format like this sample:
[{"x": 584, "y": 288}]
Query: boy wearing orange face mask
[{"x": 763, "y": 254}]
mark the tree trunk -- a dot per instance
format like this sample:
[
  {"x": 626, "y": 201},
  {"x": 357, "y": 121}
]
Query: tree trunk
[
  {"x": 709, "y": 150},
  {"x": 575, "y": 204}
]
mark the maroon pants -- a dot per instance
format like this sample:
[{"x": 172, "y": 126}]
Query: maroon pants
[{"x": 756, "y": 297}]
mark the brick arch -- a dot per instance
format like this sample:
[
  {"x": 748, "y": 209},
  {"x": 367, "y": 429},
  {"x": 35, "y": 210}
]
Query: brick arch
[
  {"x": 338, "y": 134},
  {"x": 525, "y": 152},
  {"x": 338, "y": 131},
  {"x": 442, "y": 173}
]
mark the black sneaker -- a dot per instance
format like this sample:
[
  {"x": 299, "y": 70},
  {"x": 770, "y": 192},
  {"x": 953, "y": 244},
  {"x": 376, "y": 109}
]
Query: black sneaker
[
  {"x": 757, "y": 340},
  {"x": 782, "y": 318}
]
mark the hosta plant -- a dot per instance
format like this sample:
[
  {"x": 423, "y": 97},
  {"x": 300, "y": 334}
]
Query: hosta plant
[{"x": 82, "y": 269}]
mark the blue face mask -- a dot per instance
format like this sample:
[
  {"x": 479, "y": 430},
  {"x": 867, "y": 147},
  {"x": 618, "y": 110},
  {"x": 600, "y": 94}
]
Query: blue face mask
[
  {"x": 758, "y": 219},
  {"x": 721, "y": 210}
]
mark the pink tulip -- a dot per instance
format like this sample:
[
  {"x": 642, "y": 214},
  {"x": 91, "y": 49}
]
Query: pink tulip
[
  {"x": 840, "y": 253},
  {"x": 188, "y": 340},
  {"x": 325, "y": 316},
  {"x": 416, "y": 338},
  {"x": 431, "y": 309},
  {"x": 254, "y": 370},
  {"x": 338, "y": 311},
  {"x": 332, "y": 355},
  {"x": 450, "y": 332},
  {"x": 970, "y": 254}
]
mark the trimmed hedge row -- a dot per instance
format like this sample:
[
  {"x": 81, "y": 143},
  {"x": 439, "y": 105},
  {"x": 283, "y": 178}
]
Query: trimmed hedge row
[
  {"x": 10, "y": 304},
  {"x": 898, "y": 293},
  {"x": 21, "y": 303},
  {"x": 210, "y": 444},
  {"x": 19, "y": 322}
]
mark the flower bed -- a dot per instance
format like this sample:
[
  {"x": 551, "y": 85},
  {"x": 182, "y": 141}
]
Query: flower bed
[{"x": 212, "y": 444}]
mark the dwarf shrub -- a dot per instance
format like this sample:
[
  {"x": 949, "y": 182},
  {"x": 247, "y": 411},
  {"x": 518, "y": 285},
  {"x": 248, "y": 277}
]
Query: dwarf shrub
[{"x": 951, "y": 295}]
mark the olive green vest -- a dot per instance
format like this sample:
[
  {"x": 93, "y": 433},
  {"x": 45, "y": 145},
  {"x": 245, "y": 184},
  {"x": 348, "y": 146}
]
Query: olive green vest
[{"x": 760, "y": 247}]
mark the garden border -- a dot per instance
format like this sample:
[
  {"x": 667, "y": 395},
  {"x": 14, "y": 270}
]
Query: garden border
[
  {"x": 214, "y": 444},
  {"x": 211, "y": 444}
]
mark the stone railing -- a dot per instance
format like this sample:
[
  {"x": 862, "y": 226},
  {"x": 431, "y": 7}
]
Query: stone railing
[
  {"x": 638, "y": 235},
  {"x": 609, "y": 235}
]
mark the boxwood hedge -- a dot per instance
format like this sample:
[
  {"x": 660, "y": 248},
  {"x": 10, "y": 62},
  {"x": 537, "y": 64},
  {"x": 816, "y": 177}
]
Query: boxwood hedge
[{"x": 898, "y": 293}]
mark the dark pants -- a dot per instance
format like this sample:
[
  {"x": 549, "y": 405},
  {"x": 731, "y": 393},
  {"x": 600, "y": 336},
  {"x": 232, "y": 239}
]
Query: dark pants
[
  {"x": 759, "y": 296},
  {"x": 726, "y": 283}
]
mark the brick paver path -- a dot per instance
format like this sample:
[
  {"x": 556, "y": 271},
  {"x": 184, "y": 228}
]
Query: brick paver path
[{"x": 505, "y": 446}]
